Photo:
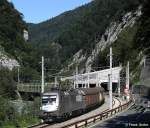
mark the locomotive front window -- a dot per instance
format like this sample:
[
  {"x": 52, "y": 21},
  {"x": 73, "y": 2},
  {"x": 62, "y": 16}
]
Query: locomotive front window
[
  {"x": 49, "y": 99},
  {"x": 44, "y": 101},
  {"x": 52, "y": 99}
]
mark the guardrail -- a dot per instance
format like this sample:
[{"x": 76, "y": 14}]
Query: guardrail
[{"x": 98, "y": 117}]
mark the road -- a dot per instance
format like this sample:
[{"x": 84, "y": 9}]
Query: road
[{"x": 135, "y": 116}]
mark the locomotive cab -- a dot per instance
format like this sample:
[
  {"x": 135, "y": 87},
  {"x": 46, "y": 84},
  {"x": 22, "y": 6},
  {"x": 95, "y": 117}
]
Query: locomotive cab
[{"x": 50, "y": 102}]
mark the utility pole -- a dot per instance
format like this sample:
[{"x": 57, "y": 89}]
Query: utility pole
[
  {"x": 119, "y": 85},
  {"x": 55, "y": 81},
  {"x": 88, "y": 79},
  {"x": 144, "y": 62},
  {"x": 110, "y": 80},
  {"x": 42, "y": 86},
  {"x": 127, "y": 80},
  {"x": 127, "y": 76},
  {"x": 97, "y": 82},
  {"x": 18, "y": 74},
  {"x": 75, "y": 80},
  {"x": 77, "y": 76}
]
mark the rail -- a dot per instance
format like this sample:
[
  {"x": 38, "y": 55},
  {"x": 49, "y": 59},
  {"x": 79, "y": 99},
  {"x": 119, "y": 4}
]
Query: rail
[{"x": 98, "y": 117}]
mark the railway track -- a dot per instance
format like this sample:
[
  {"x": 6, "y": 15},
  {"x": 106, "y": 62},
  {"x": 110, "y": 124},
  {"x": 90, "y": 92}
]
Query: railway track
[
  {"x": 41, "y": 125},
  {"x": 60, "y": 125}
]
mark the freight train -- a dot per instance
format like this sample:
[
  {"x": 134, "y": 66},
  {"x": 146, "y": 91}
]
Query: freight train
[{"x": 58, "y": 104}]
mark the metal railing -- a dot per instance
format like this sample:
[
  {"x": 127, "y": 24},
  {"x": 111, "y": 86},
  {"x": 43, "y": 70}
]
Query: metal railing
[
  {"x": 98, "y": 117},
  {"x": 32, "y": 87}
]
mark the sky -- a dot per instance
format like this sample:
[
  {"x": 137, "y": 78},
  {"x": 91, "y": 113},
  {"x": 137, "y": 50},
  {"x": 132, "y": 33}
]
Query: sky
[{"x": 36, "y": 11}]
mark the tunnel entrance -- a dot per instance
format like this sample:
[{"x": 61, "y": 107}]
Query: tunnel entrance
[
  {"x": 80, "y": 86},
  {"x": 106, "y": 86},
  {"x": 85, "y": 85},
  {"x": 92, "y": 85},
  {"x": 115, "y": 87}
]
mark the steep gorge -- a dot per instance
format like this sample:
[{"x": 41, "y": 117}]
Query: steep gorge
[{"x": 77, "y": 36}]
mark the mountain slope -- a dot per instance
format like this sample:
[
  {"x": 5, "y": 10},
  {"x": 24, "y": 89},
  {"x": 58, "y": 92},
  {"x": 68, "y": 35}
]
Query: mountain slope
[
  {"x": 14, "y": 50},
  {"x": 76, "y": 30},
  {"x": 50, "y": 29},
  {"x": 11, "y": 28}
]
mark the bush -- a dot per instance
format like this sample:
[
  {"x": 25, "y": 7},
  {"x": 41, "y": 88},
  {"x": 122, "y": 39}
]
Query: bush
[
  {"x": 7, "y": 84},
  {"x": 10, "y": 117},
  {"x": 7, "y": 112}
]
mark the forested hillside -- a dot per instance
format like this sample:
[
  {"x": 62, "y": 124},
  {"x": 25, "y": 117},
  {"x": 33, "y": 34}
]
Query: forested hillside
[
  {"x": 64, "y": 35},
  {"x": 142, "y": 39},
  {"x": 11, "y": 39},
  {"x": 61, "y": 38},
  {"x": 11, "y": 29},
  {"x": 13, "y": 45}
]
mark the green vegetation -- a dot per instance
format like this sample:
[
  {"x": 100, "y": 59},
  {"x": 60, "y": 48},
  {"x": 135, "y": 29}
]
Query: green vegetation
[
  {"x": 129, "y": 44},
  {"x": 10, "y": 117},
  {"x": 66, "y": 85},
  {"x": 11, "y": 29},
  {"x": 58, "y": 40},
  {"x": 11, "y": 37},
  {"x": 123, "y": 50},
  {"x": 12, "y": 44},
  {"x": 142, "y": 40},
  {"x": 27, "y": 74},
  {"x": 22, "y": 122},
  {"x": 7, "y": 84},
  {"x": 77, "y": 29}
]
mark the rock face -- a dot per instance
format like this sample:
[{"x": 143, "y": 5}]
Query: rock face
[
  {"x": 111, "y": 35},
  {"x": 6, "y": 61},
  {"x": 145, "y": 74}
]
